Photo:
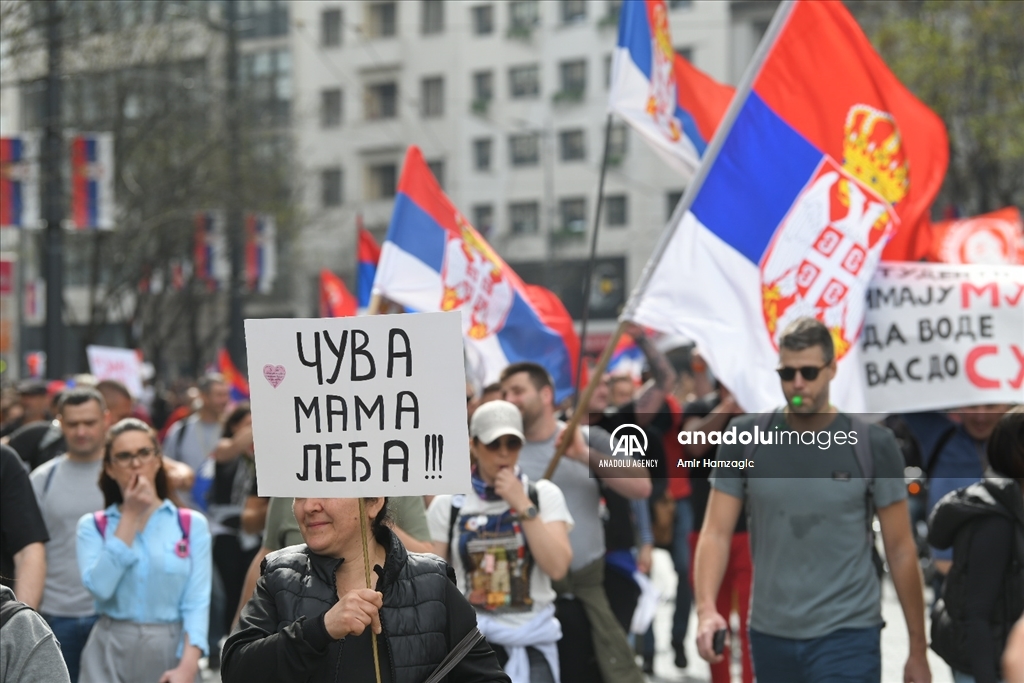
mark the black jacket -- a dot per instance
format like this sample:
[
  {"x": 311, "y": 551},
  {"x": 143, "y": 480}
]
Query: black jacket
[
  {"x": 983, "y": 594},
  {"x": 282, "y": 637}
]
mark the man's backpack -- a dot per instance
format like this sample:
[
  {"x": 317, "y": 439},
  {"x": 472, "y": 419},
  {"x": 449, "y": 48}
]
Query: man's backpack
[
  {"x": 9, "y": 606},
  {"x": 951, "y": 521}
]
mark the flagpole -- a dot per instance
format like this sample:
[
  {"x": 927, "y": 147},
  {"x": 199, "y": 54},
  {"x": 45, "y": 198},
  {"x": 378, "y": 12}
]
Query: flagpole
[
  {"x": 588, "y": 283},
  {"x": 742, "y": 91},
  {"x": 375, "y": 303}
]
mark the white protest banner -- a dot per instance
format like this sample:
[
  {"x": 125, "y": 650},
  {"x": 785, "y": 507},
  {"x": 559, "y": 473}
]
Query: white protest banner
[
  {"x": 942, "y": 335},
  {"x": 108, "y": 362},
  {"x": 354, "y": 407}
]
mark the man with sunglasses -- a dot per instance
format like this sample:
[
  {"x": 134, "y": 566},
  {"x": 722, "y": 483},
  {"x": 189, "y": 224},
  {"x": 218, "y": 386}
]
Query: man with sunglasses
[{"x": 816, "y": 608}]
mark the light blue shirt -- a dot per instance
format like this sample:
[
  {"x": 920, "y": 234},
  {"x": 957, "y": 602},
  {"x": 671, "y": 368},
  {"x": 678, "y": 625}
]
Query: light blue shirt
[{"x": 147, "y": 582}]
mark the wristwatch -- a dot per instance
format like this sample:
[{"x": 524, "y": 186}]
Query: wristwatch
[{"x": 529, "y": 513}]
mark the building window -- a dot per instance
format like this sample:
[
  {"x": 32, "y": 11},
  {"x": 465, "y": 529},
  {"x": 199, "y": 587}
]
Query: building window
[
  {"x": 617, "y": 139},
  {"x": 612, "y": 10},
  {"x": 381, "y": 101},
  {"x": 571, "y": 146},
  {"x": 524, "y": 149},
  {"x": 483, "y": 20},
  {"x": 524, "y": 81},
  {"x": 256, "y": 19},
  {"x": 266, "y": 80},
  {"x": 482, "y": 154},
  {"x": 573, "y": 213},
  {"x": 330, "y": 28},
  {"x": 432, "y": 97},
  {"x": 679, "y": 4},
  {"x": 573, "y": 77},
  {"x": 330, "y": 108},
  {"x": 574, "y": 11},
  {"x": 431, "y": 17},
  {"x": 381, "y": 181},
  {"x": 523, "y": 15},
  {"x": 671, "y": 200},
  {"x": 330, "y": 187},
  {"x": 686, "y": 52},
  {"x": 382, "y": 19},
  {"x": 483, "y": 86},
  {"x": 437, "y": 168},
  {"x": 524, "y": 218},
  {"x": 483, "y": 219},
  {"x": 616, "y": 210}
]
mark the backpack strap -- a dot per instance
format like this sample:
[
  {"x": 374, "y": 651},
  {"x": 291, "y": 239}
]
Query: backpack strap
[
  {"x": 181, "y": 548},
  {"x": 933, "y": 458},
  {"x": 99, "y": 518},
  {"x": 9, "y": 607},
  {"x": 49, "y": 477}
]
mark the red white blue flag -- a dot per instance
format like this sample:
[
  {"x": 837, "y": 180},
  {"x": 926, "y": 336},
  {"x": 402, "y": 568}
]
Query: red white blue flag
[
  {"x": 92, "y": 181},
  {"x": 434, "y": 260},
  {"x": 825, "y": 163},
  {"x": 335, "y": 299},
  {"x": 674, "y": 106},
  {"x": 260, "y": 252},
  {"x": 209, "y": 256},
  {"x": 367, "y": 254},
  {"x": 19, "y": 181}
]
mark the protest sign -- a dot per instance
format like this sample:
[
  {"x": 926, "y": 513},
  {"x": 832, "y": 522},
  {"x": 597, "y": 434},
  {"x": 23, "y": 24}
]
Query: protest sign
[
  {"x": 123, "y": 365},
  {"x": 941, "y": 335},
  {"x": 353, "y": 407}
]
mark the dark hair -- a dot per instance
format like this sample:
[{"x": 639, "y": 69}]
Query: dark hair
[
  {"x": 806, "y": 333},
  {"x": 114, "y": 386},
  {"x": 1006, "y": 445},
  {"x": 111, "y": 491},
  {"x": 207, "y": 381},
  {"x": 80, "y": 396},
  {"x": 494, "y": 387},
  {"x": 539, "y": 377},
  {"x": 380, "y": 527},
  {"x": 234, "y": 419}
]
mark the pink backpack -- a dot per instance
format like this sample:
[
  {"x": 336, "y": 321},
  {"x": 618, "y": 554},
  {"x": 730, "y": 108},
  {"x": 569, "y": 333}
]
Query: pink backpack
[{"x": 184, "y": 522}]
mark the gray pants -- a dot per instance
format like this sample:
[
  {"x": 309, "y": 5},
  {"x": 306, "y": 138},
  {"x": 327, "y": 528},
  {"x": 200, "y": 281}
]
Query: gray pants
[{"x": 126, "y": 652}]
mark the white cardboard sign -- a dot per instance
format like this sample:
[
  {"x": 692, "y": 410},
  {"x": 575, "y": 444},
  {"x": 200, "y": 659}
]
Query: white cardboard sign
[
  {"x": 123, "y": 365},
  {"x": 940, "y": 335},
  {"x": 356, "y": 407}
]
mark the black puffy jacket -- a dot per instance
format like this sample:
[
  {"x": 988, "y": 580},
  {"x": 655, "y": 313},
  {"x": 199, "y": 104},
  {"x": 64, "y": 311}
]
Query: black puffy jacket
[
  {"x": 953, "y": 523},
  {"x": 281, "y": 635}
]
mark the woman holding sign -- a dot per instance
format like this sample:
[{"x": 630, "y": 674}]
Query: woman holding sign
[
  {"x": 312, "y": 616},
  {"x": 507, "y": 539},
  {"x": 147, "y": 564}
]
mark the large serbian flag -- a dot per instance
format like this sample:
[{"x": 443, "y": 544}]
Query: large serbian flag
[
  {"x": 434, "y": 260},
  {"x": 675, "y": 107},
  {"x": 19, "y": 181},
  {"x": 367, "y": 255},
  {"x": 92, "y": 181},
  {"x": 826, "y": 162}
]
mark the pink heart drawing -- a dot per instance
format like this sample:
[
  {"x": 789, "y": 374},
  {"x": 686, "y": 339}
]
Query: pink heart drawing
[{"x": 274, "y": 374}]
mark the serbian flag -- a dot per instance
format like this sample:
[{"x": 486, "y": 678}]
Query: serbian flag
[
  {"x": 238, "y": 385},
  {"x": 92, "y": 181},
  {"x": 260, "y": 252},
  {"x": 434, "y": 260},
  {"x": 627, "y": 358},
  {"x": 368, "y": 254},
  {"x": 673, "y": 105},
  {"x": 335, "y": 299},
  {"x": 991, "y": 238},
  {"x": 209, "y": 258},
  {"x": 827, "y": 161},
  {"x": 19, "y": 181}
]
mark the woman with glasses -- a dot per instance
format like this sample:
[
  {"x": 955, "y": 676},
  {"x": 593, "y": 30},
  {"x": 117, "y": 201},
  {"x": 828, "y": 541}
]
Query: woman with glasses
[
  {"x": 506, "y": 540},
  {"x": 147, "y": 564}
]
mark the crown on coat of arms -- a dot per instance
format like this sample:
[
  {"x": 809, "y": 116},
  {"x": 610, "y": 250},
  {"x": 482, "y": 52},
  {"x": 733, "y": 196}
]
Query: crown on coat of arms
[{"x": 873, "y": 152}]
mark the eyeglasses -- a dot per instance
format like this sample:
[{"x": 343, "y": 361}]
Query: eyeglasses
[
  {"x": 125, "y": 458},
  {"x": 809, "y": 372},
  {"x": 511, "y": 443}
]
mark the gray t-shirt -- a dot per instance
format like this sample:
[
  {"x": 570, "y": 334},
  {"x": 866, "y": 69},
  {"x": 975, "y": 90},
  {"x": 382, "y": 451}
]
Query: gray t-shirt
[
  {"x": 580, "y": 488},
  {"x": 195, "y": 445},
  {"x": 807, "y": 517},
  {"x": 65, "y": 490}
]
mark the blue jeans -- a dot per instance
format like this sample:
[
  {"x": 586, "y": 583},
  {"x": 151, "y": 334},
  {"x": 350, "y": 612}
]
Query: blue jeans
[
  {"x": 71, "y": 633},
  {"x": 681, "y": 559},
  {"x": 849, "y": 655}
]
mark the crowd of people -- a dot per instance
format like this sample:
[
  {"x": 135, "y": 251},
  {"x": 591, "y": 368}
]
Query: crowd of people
[{"x": 134, "y": 541}]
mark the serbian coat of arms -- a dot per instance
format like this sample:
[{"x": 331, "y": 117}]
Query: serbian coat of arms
[{"x": 474, "y": 280}]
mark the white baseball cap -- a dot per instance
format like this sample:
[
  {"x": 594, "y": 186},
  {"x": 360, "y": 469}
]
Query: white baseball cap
[{"x": 495, "y": 419}]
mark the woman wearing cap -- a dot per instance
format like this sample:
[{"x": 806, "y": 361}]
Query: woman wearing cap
[{"x": 507, "y": 539}]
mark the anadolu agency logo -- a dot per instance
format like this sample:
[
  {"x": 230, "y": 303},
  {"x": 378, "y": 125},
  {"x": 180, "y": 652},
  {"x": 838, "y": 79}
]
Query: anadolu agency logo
[{"x": 628, "y": 441}]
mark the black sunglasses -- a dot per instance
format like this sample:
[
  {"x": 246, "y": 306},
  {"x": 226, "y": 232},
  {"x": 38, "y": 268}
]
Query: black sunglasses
[
  {"x": 809, "y": 372},
  {"x": 512, "y": 443}
]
